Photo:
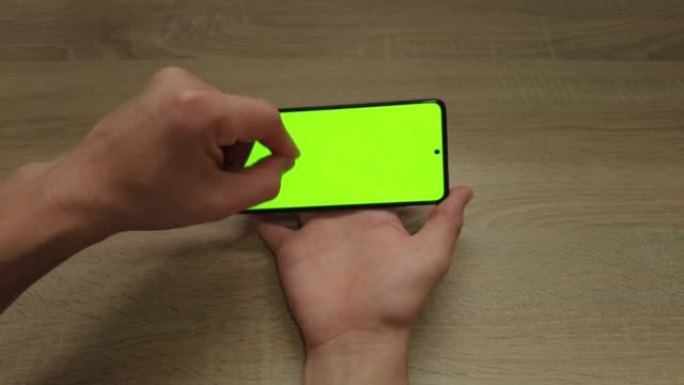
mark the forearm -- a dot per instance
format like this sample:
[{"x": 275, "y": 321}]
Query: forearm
[
  {"x": 359, "y": 358},
  {"x": 36, "y": 235}
]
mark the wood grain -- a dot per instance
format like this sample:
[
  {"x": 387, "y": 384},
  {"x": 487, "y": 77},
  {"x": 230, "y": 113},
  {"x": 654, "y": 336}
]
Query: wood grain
[
  {"x": 566, "y": 117},
  {"x": 75, "y": 30}
]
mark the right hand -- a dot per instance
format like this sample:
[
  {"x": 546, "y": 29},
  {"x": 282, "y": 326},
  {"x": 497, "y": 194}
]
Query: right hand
[{"x": 157, "y": 161}]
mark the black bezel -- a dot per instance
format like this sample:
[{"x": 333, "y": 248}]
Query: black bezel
[{"x": 445, "y": 158}]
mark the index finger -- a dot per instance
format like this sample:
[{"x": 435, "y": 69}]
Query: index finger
[{"x": 247, "y": 120}]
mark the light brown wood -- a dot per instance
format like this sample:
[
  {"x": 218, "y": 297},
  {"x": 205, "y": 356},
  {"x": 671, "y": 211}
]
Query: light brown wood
[{"x": 566, "y": 117}]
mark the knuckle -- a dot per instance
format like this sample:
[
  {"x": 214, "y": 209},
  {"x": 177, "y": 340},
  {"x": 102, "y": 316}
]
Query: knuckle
[
  {"x": 376, "y": 217},
  {"x": 171, "y": 72},
  {"x": 28, "y": 170},
  {"x": 442, "y": 265},
  {"x": 268, "y": 109},
  {"x": 437, "y": 261},
  {"x": 268, "y": 106},
  {"x": 186, "y": 104},
  {"x": 183, "y": 100},
  {"x": 222, "y": 204}
]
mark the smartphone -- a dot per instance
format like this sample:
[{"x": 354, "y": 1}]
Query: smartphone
[{"x": 363, "y": 155}]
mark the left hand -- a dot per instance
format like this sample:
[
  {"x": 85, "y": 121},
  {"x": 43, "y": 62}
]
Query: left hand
[
  {"x": 356, "y": 282},
  {"x": 360, "y": 271}
]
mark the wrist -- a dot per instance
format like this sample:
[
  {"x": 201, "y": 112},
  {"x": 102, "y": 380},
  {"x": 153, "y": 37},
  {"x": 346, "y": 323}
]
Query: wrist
[
  {"x": 74, "y": 216},
  {"x": 39, "y": 205},
  {"x": 36, "y": 235},
  {"x": 77, "y": 203},
  {"x": 360, "y": 357}
]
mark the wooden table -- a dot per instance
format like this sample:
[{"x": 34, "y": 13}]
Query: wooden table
[{"x": 567, "y": 118}]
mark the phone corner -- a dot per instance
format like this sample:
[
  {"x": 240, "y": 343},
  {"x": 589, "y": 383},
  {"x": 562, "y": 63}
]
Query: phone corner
[
  {"x": 442, "y": 197},
  {"x": 440, "y": 103}
]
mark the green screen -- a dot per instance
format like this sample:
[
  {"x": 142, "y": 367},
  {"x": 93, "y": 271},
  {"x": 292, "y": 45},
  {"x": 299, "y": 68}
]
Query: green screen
[{"x": 362, "y": 155}]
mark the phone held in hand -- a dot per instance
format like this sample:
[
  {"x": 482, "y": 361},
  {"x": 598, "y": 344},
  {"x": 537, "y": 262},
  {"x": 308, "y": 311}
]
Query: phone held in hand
[{"x": 363, "y": 155}]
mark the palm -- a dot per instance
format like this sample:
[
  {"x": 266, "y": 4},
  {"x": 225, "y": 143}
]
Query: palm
[
  {"x": 338, "y": 273},
  {"x": 357, "y": 270}
]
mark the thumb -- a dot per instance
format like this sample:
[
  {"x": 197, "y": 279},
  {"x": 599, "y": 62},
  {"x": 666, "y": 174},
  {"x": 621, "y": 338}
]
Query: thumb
[
  {"x": 255, "y": 184},
  {"x": 446, "y": 220}
]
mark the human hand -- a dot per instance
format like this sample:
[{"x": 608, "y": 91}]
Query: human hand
[
  {"x": 170, "y": 157},
  {"x": 157, "y": 161},
  {"x": 356, "y": 282}
]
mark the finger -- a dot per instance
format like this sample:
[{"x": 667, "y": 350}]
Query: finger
[
  {"x": 246, "y": 119},
  {"x": 176, "y": 78},
  {"x": 367, "y": 216},
  {"x": 274, "y": 233},
  {"x": 258, "y": 183},
  {"x": 307, "y": 216},
  {"x": 445, "y": 221},
  {"x": 232, "y": 118},
  {"x": 174, "y": 81}
]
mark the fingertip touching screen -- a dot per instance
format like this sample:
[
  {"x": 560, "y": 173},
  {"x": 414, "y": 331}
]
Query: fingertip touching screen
[{"x": 363, "y": 155}]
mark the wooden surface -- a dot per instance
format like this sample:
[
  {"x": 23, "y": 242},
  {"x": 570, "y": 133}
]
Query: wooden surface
[{"x": 567, "y": 117}]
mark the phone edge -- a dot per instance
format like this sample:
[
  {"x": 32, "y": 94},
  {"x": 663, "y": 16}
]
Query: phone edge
[{"x": 445, "y": 159}]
